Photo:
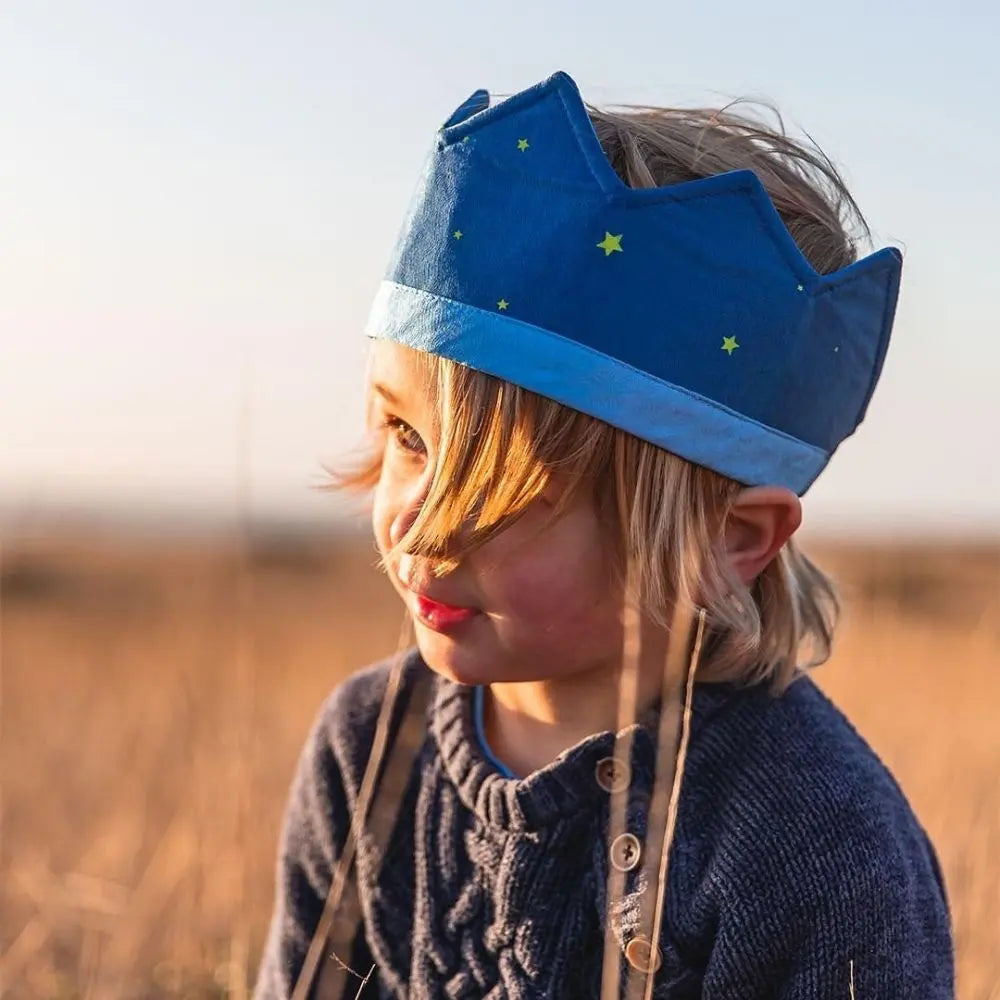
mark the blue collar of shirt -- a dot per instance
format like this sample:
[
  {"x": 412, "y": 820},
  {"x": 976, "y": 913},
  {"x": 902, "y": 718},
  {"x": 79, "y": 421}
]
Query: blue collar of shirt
[{"x": 478, "y": 700}]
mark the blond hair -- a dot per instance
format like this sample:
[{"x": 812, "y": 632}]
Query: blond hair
[{"x": 499, "y": 445}]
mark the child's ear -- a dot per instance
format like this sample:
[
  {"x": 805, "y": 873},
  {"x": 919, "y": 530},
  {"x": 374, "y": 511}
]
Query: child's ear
[{"x": 761, "y": 520}]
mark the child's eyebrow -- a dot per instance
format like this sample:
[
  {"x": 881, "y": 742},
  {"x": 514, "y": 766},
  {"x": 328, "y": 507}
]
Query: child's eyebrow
[{"x": 386, "y": 394}]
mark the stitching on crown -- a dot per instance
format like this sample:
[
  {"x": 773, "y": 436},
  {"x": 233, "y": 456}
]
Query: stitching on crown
[
  {"x": 794, "y": 261},
  {"x": 883, "y": 344},
  {"x": 494, "y": 112},
  {"x": 580, "y": 145},
  {"x": 625, "y": 197},
  {"x": 798, "y": 265}
]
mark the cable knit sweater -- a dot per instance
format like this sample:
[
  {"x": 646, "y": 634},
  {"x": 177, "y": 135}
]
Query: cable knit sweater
[{"x": 795, "y": 855}]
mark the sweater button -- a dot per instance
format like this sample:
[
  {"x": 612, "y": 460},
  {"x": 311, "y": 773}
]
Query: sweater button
[
  {"x": 613, "y": 775},
  {"x": 625, "y": 851},
  {"x": 641, "y": 955}
]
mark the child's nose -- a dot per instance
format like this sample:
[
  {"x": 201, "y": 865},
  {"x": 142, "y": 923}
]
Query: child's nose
[{"x": 407, "y": 513}]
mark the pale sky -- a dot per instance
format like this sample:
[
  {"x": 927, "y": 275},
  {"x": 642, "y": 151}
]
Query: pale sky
[{"x": 198, "y": 199}]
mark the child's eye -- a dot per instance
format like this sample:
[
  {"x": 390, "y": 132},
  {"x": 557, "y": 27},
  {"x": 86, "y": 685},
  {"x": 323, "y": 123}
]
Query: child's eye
[{"x": 404, "y": 435}]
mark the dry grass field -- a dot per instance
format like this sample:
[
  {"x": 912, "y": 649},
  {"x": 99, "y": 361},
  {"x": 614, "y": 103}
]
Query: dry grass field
[{"x": 155, "y": 693}]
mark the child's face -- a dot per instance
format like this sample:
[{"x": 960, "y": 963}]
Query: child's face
[{"x": 529, "y": 604}]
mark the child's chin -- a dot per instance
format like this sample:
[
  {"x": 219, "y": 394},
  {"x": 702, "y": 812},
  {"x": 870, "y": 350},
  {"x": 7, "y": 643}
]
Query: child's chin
[{"x": 456, "y": 661}]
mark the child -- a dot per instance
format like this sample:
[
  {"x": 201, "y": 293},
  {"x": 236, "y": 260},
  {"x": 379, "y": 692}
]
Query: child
[{"x": 612, "y": 352}]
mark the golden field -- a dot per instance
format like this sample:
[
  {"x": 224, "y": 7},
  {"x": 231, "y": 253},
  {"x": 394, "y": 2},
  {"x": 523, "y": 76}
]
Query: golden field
[{"x": 156, "y": 692}]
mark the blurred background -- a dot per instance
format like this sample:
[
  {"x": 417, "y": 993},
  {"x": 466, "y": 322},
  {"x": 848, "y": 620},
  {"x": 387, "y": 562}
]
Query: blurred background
[{"x": 197, "y": 201}]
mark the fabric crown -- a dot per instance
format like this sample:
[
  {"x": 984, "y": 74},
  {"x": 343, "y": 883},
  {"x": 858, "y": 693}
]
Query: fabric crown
[{"x": 686, "y": 315}]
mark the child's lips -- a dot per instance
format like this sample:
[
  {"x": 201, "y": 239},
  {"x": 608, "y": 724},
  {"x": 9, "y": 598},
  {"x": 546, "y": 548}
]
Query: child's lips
[{"x": 439, "y": 615}]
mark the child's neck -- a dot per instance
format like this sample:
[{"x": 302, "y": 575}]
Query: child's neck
[{"x": 529, "y": 723}]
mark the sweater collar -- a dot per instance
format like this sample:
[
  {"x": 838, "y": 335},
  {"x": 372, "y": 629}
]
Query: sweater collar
[{"x": 567, "y": 785}]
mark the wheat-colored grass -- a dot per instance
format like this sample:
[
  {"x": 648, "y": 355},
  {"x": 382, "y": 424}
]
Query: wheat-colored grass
[{"x": 156, "y": 694}]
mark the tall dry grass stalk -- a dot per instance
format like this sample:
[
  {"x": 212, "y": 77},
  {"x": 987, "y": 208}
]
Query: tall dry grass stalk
[{"x": 243, "y": 692}]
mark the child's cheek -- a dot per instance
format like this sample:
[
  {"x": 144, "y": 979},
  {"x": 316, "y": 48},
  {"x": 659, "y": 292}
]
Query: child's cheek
[{"x": 565, "y": 592}]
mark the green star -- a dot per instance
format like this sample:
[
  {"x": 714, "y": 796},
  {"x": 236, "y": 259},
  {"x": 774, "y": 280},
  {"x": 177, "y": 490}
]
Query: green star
[
  {"x": 502, "y": 305},
  {"x": 458, "y": 234},
  {"x": 729, "y": 345},
  {"x": 522, "y": 144},
  {"x": 611, "y": 243}
]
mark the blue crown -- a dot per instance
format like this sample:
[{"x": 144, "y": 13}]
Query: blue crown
[{"x": 686, "y": 315}]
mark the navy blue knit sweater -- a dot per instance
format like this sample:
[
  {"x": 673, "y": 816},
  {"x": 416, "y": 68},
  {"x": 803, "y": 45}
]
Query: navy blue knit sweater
[{"x": 795, "y": 855}]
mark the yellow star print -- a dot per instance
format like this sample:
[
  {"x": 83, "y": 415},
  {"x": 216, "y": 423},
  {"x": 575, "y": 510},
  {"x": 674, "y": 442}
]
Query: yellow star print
[
  {"x": 458, "y": 234},
  {"x": 729, "y": 345},
  {"x": 502, "y": 305},
  {"x": 611, "y": 243},
  {"x": 522, "y": 144}
]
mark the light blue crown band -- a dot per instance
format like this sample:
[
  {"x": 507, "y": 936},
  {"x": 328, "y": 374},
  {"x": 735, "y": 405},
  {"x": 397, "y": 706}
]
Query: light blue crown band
[{"x": 576, "y": 375}]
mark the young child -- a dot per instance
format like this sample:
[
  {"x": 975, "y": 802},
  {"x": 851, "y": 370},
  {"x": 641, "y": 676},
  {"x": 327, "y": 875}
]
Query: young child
[{"x": 611, "y": 353}]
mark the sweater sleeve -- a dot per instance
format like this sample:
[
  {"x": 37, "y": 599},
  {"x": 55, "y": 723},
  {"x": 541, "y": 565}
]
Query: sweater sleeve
[
  {"x": 316, "y": 820},
  {"x": 318, "y": 817},
  {"x": 861, "y": 917}
]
